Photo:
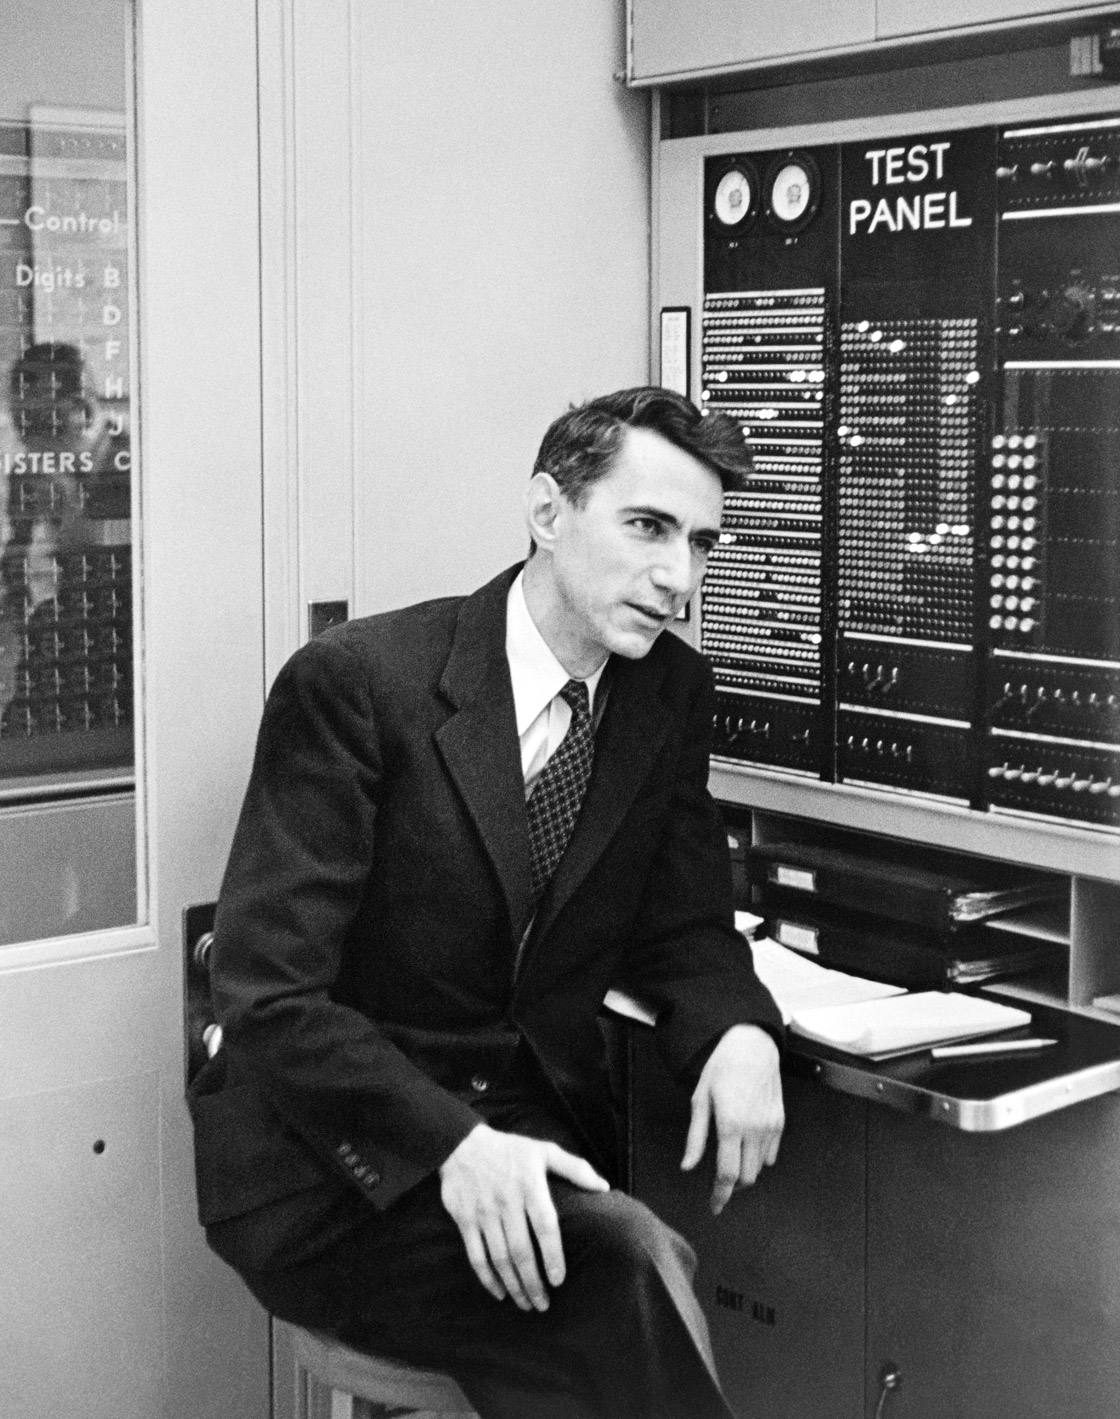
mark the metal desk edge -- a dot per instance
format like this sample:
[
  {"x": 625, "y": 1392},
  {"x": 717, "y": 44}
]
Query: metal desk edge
[{"x": 972, "y": 1115}]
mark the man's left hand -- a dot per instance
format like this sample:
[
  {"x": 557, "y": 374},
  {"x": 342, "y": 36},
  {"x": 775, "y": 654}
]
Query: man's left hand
[{"x": 740, "y": 1090}]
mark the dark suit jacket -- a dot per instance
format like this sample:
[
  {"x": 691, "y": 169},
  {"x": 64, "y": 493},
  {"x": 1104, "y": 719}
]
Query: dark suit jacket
[{"x": 378, "y": 890}]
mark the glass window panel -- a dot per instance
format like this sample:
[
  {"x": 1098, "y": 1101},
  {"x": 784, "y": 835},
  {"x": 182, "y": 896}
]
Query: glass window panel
[{"x": 67, "y": 653}]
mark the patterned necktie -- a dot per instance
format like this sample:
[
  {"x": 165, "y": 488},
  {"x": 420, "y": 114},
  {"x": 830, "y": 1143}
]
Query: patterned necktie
[{"x": 557, "y": 794}]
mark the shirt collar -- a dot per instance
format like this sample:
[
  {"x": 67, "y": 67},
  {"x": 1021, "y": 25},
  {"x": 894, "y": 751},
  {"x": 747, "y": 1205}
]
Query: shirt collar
[{"x": 536, "y": 674}]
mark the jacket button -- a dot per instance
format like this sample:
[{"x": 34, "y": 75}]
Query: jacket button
[{"x": 480, "y": 1083}]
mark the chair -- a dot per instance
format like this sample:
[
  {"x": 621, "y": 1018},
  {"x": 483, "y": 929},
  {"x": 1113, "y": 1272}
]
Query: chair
[{"x": 366, "y": 1387}]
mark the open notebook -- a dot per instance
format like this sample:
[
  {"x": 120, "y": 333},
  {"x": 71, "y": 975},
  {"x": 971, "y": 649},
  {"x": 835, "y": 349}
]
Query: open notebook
[{"x": 869, "y": 1018}]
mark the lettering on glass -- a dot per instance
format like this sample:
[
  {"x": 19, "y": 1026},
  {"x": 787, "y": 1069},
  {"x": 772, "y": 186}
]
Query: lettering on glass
[{"x": 66, "y": 703}]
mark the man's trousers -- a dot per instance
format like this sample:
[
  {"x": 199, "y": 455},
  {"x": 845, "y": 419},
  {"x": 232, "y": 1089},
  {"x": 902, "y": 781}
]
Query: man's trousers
[{"x": 623, "y": 1338}]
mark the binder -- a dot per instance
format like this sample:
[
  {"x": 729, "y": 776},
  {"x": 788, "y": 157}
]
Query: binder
[
  {"x": 933, "y": 891},
  {"x": 901, "y": 954}
]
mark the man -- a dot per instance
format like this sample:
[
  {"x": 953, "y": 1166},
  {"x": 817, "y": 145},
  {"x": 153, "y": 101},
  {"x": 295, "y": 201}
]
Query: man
[{"x": 411, "y": 952}]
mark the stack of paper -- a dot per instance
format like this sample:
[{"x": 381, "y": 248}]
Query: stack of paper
[
  {"x": 798, "y": 984},
  {"x": 866, "y": 1017},
  {"x": 905, "y": 1022}
]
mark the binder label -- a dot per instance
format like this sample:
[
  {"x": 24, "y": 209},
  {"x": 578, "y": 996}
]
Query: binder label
[
  {"x": 800, "y": 878},
  {"x": 798, "y": 938}
]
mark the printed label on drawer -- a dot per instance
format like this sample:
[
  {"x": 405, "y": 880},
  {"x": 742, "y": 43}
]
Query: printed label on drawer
[
  {"x": 800, "y": 878},
  {"x": 798, "y": 938}
]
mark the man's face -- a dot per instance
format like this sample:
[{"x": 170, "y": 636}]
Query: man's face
[{"x": 626, "y": 560}]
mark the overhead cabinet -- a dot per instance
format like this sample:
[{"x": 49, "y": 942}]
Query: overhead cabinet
[
  {"x": 895, "y": 18},
  {"x": 688, "y": 39},
  {"x": 675, "y": 39}
]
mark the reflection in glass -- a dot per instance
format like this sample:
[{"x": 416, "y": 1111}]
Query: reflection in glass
[
  {"x": 66, "y": 652},
  {"x": 65, "y": 613}
]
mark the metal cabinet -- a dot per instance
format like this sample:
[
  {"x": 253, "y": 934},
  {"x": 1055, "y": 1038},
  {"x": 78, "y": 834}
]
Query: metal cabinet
[
  {"x": 912, "y": 17},
  {"x": 132, "y": 673},
  {"x": 993, "y": 1262},
  {"x": 979, "y": 1270},
  {"x": 782, "y": 1273},
  {"x": 672, "y": 40}
]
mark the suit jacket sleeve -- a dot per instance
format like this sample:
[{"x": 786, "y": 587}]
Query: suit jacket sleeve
[
  {"x": 687, "y": 959},
  {"x": 295, "y": 879}
]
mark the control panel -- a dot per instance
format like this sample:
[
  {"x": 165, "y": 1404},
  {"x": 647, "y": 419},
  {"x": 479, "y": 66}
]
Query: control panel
[
  {"x": 762, "y": 599},
  {"x": 919, "y": 590}
]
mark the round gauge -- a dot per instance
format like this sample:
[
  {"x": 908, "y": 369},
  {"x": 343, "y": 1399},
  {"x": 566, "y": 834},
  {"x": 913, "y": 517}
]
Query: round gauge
[
  {"x": 793, "y": 191},
  {"x": 789, "y": 197},
  {"x": 733, "y": 197}
]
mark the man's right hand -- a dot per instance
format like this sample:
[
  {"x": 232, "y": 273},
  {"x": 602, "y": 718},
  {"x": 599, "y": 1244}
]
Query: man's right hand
[{"x": 495, "y": 1187}]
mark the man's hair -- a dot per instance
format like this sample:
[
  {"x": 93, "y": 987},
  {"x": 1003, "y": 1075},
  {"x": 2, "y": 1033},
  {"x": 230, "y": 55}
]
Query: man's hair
[{"x": 581, "y": 445}]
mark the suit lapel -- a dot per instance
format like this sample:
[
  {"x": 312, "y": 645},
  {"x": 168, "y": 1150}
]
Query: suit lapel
[
  {"x": 479, "y": 742},
  {"x": 629, "y": 739}
]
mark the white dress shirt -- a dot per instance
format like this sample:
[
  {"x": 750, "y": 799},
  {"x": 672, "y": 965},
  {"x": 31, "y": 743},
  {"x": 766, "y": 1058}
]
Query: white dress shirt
[{"x": 538, "y": 677}]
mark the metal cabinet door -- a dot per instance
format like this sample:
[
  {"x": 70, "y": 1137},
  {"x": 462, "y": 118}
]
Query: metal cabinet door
[
  {"x": 993, "y": 1266},
  {"x": 109, "y": 1300},
  {"x": 781, "y": 1276}
]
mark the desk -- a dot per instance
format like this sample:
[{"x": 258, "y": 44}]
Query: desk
[
  {"x": 984, "y": 1265},
  {"x": 980, "y": 1095}
]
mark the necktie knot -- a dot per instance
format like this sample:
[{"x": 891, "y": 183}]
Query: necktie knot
[{"x": 575, "y": 696}]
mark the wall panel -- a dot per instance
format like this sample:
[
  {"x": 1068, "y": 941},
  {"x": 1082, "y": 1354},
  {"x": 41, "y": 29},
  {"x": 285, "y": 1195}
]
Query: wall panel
[{"x": 503, "y": 257}]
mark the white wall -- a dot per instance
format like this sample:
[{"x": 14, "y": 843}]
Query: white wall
[{"x": 503, "y": 268}]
